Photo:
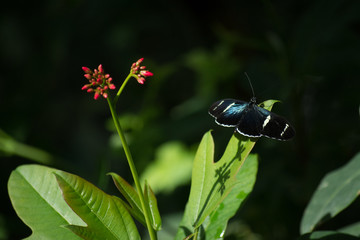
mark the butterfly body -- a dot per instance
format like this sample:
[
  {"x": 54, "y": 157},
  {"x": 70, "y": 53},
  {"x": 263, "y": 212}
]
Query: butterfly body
[{"x": 251, "y": 120}]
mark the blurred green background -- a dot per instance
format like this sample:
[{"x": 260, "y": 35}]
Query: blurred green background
[{"x": 304, "y": 53}]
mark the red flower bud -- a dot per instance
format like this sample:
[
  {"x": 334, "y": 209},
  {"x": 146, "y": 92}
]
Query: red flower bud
[
  {"x": 141, "y": 80},
  {"x": 85, "y": 87},
  {"x": 146, "y": 73},
  {"x": 96, "y": 95},
  {"x": 139, "y": 61},
  {"x": 86, "y": 69},
  {"x": 101, "y": 69}
]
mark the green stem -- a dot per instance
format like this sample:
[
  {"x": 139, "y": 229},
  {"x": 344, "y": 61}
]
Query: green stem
[
  {"x": 122, "y": 88},
  {"x": 196, "y": 232},
  {"x": 131, "y": 162}
]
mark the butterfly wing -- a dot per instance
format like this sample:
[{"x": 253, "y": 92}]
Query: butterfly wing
[
  {"x": 228, "y": 112},
  {"x": 275, "y": 126}
]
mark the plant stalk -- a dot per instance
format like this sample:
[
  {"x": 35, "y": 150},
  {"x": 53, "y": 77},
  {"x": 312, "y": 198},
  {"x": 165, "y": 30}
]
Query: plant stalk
[
  {"x": 133, "y": 170},
  {"x": 122, "y": 88}
]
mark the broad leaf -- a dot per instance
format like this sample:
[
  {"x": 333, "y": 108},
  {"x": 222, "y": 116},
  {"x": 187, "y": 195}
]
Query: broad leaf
[
  {"x": 215, "y": 225},
  {"x": 105, "y": 216},
  {"x": 337, "y": 190},
  {"x": 212, "y": 182},
  {"x": 37, "y": 200}
]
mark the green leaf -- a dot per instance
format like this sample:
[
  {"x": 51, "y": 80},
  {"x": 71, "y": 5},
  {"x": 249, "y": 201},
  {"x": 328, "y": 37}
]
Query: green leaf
[
  {"x": 37, "y": 200},
  {"x": 171, "y": 168},
  {"x": 337, "y": 190},
  {"x": 152, "y": 206},
  {"x": 212, "y": 182},
  {"x": 136, "y": 214},
  {"x": 327, "y": 235},
  {"x": 105, "y": 216},
  {"x": 10, "y": 146},
  {"x": 131, "y": 196},
  {"x": 215, "y": 225},
  {"x": 352, "y": 229}
]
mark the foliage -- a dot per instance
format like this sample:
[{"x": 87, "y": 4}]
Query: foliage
[
  {"x": 336, "y": 191},
  {"x": 37, "y": 200},
  {"x": 9, "y": 146},
  {"x": 302, "y": 52},
  {"x": 164, "y": 175},
  {"x": 109, "y": 217}
]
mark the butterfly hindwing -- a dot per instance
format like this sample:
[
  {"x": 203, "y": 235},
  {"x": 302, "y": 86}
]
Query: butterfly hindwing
[{"x": 278, "y": 128}]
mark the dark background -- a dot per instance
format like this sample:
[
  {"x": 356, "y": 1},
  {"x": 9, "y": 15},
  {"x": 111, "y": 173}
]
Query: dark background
[{"x": 304, "y": 53}]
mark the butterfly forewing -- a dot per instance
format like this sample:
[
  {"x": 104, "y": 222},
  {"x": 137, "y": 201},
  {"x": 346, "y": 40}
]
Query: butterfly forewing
[{"x": 227, "y": 112}]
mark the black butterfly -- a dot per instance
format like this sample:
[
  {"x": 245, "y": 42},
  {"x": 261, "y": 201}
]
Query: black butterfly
[{"x": 251, "y": 120}]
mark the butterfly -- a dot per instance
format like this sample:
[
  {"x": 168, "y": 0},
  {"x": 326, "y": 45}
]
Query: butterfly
[{"x": 251, "y": 120}]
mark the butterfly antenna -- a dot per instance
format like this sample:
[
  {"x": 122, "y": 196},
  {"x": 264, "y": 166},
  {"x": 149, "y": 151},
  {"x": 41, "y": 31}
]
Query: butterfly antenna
[{"x": 252, "y": 89}]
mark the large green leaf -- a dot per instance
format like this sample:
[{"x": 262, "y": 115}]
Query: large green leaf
[
  {"x": 37, "y": 200},
  {"x": 212, "y": 181},
  {"x": 215, "y": 225},
  {"x": 105, "y": 216},
  {"x": 336, "y": 191}
]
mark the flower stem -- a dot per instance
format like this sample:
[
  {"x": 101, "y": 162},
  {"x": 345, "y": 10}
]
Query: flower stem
[
  {"x": 131, "y": 162},
  {"x": 122, "y": 88}
]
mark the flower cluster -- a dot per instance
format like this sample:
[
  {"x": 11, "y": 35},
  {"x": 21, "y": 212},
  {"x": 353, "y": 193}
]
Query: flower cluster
[
  {"x": 140, "y": 72},
  {"x": 99, "y": 82}
]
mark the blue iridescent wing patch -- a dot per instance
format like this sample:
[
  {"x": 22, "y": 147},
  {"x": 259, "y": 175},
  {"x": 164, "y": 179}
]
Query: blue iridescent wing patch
[
  {"x": 227, "y": 112},
  {"x": 251, "y": 120}
]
